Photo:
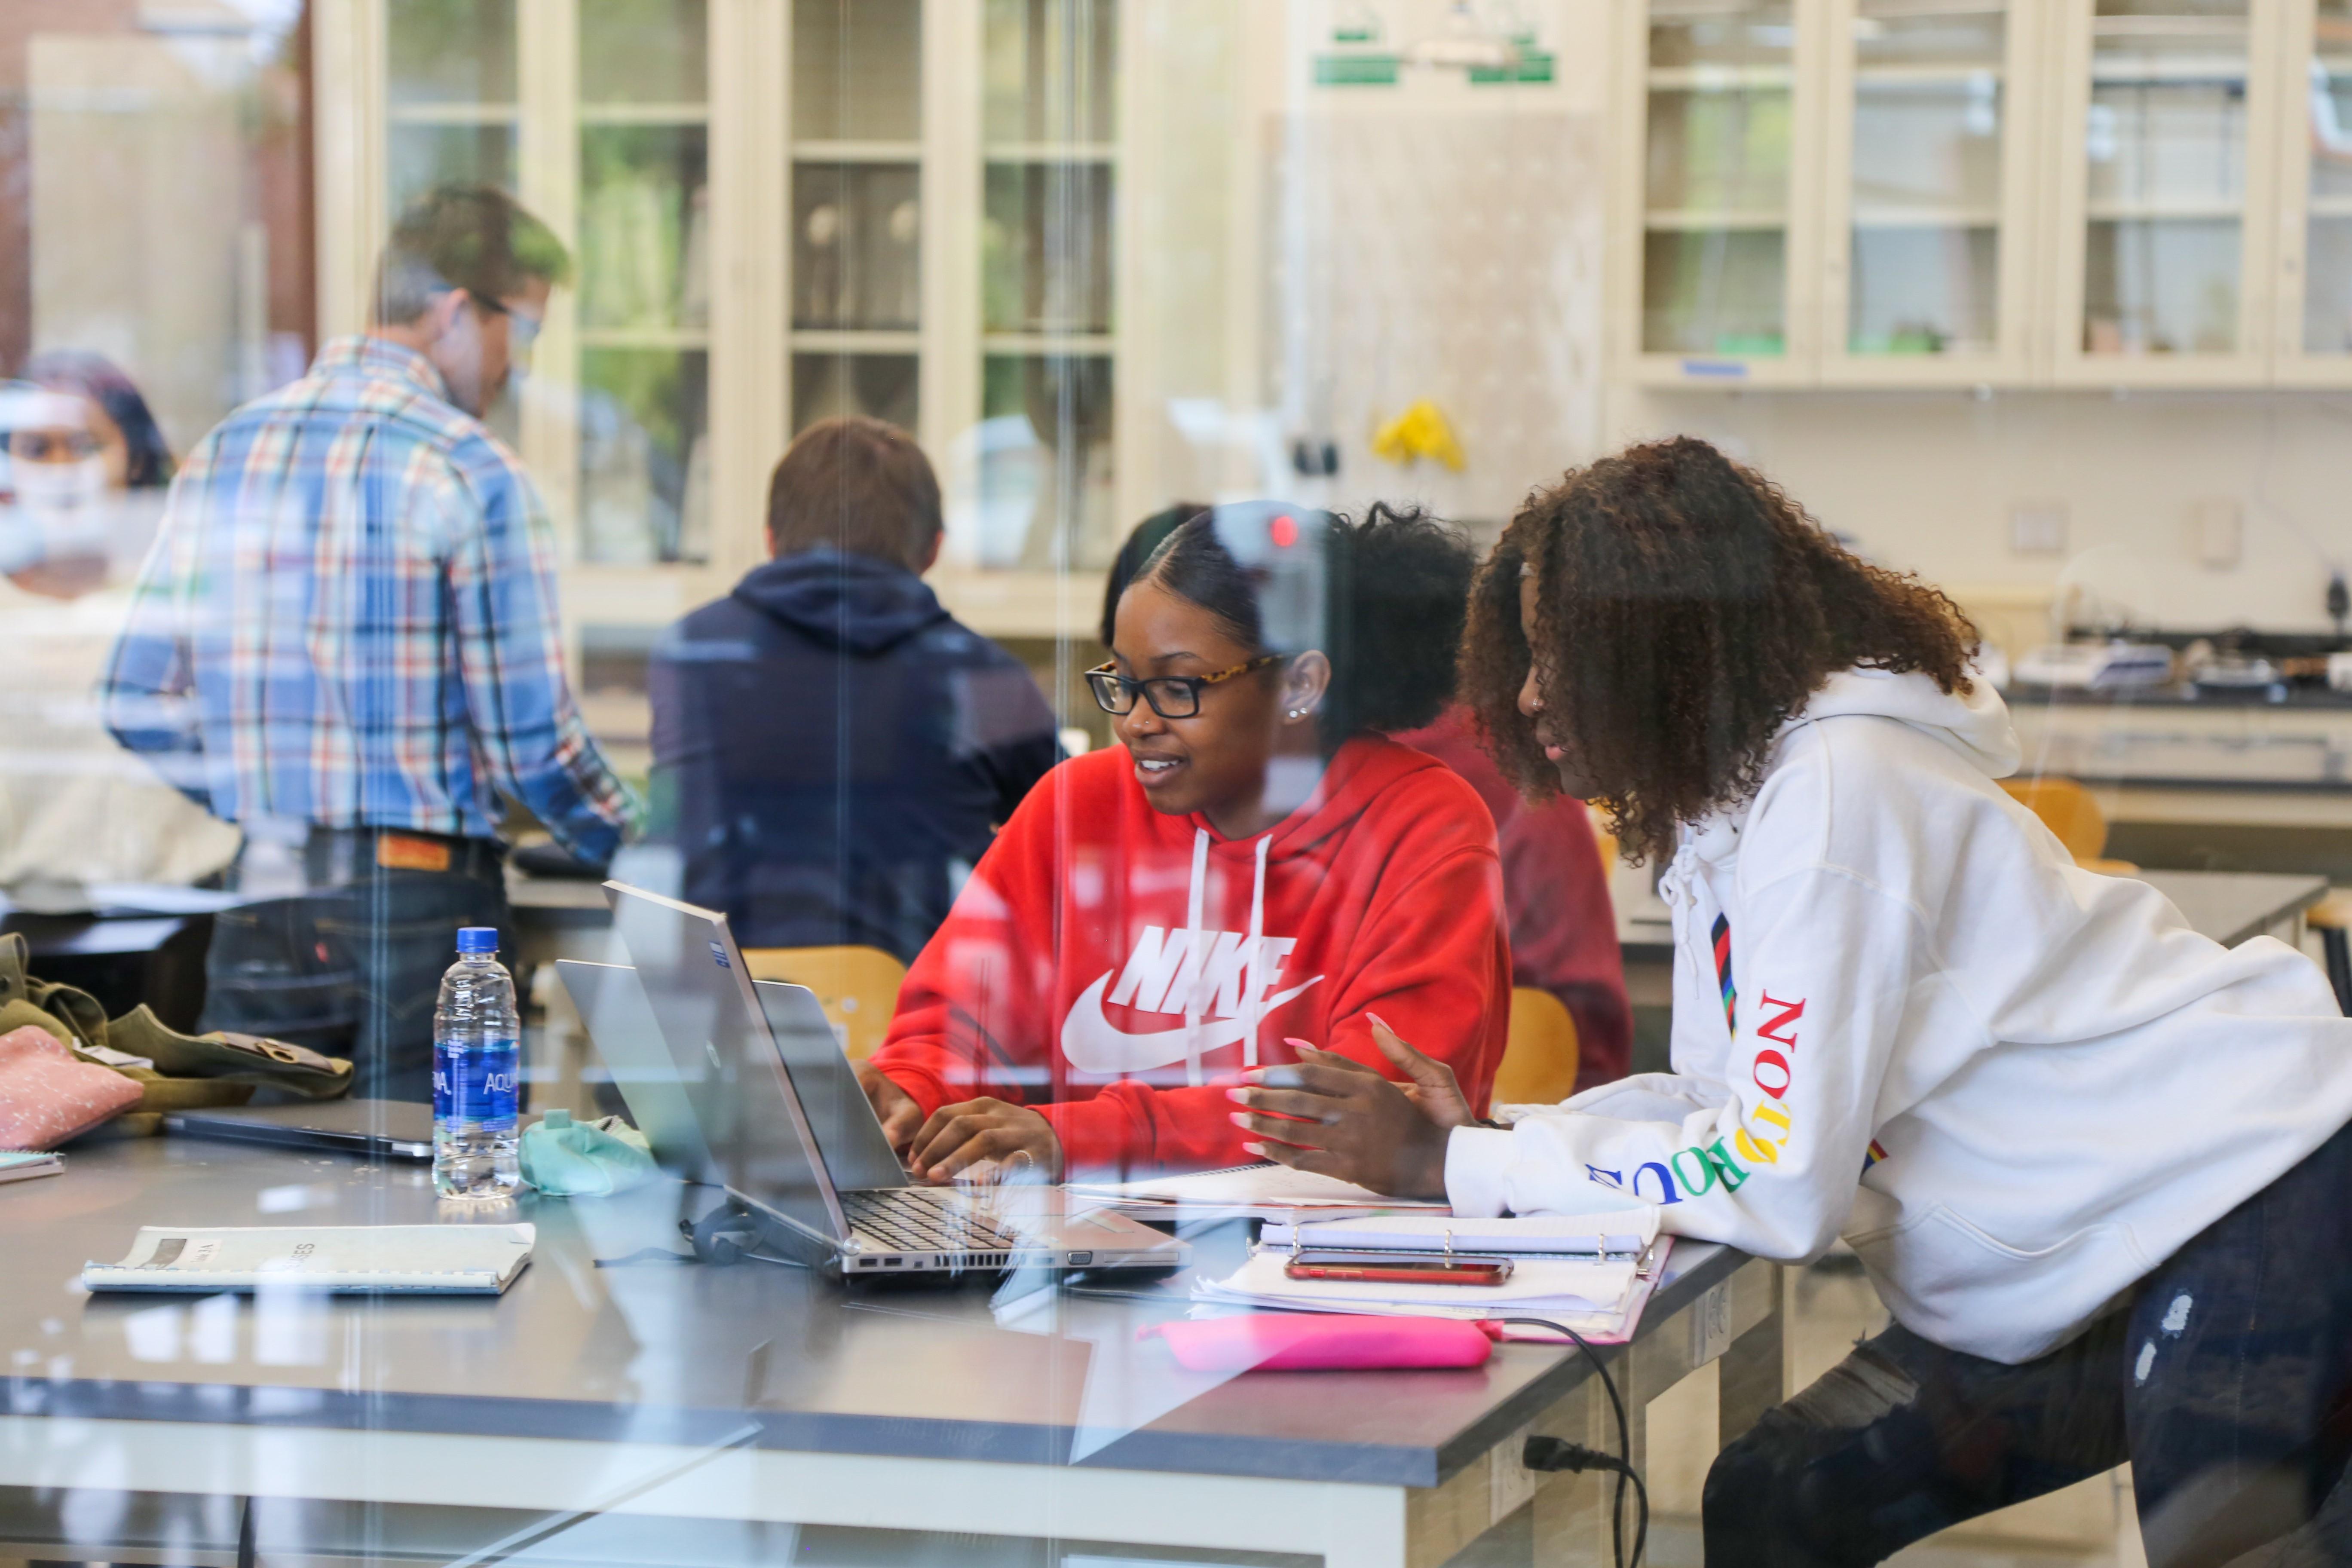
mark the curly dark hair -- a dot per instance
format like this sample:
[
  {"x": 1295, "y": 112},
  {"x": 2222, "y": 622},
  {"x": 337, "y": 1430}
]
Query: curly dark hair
[
  {"x": 1384, "y": 598},
  {"x": 1686, "y": 609}
]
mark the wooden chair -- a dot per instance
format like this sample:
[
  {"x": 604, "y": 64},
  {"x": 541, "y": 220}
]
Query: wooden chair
[
  {"x": 858, "y": 987},
  {"x": 2071, "y": 813},
  {"x": 1538, "y": 1065},
  {"x": 2332, "y": 918}
]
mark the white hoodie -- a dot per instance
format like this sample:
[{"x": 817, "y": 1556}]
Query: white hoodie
[{"x": 2044, "y": 1080}]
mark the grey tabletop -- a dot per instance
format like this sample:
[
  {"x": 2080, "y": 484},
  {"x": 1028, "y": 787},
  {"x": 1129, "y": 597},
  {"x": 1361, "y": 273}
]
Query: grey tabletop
[
  {"x": 659, "y": 1351},
  {"x": 2228, "y": 906},
  {"x": 2231, "y": 905}
]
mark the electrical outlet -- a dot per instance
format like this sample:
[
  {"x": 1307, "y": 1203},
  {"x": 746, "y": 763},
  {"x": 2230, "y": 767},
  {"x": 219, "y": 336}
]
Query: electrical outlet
[
  {"x": 2038, "y": 527},
  {"x": 2219, "y": 526}
]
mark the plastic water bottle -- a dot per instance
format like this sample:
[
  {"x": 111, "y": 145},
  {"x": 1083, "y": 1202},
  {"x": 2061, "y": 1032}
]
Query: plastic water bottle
[{"x": 477, "y": 1058}]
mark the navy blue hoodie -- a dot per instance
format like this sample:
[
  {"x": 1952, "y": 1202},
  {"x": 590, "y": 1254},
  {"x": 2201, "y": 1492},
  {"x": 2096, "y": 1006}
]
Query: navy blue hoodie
[{"x": 831, "y": 751}]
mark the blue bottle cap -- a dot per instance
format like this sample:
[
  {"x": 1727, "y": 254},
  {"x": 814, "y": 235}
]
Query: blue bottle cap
[{"x": 478, "y": 939}]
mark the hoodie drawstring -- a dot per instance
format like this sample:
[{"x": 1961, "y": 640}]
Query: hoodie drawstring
[
  {"x": 1254, "y": 993},
  {"x": 1195, "y": 959}
]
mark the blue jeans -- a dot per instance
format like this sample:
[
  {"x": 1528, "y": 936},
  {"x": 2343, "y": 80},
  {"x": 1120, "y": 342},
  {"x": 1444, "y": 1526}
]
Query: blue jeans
[
  {"x": 353, "y": 970},
  {"x": 2226, "y": 1380}
]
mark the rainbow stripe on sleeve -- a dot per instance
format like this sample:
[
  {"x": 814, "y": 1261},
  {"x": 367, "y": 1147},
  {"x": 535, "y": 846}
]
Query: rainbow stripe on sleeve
[{"x": 1722, "y": 935}]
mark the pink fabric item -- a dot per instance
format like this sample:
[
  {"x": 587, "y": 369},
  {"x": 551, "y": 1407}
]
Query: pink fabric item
[
  {"x": 46, "y": 1096},
  {"x": 1303, "y": 1342}
]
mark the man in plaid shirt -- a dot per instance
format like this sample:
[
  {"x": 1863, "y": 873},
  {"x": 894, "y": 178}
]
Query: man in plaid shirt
[{"x": 345, "y": 640}]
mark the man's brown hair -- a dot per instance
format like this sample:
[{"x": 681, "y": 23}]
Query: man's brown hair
[
  {"x": 857, "y": 484},
  {"x": 475, "y": 237}
]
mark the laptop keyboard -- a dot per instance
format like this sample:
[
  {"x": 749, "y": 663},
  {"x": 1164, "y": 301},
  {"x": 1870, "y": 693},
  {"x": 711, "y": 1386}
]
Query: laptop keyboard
[{"x": 903, "y": 1222}]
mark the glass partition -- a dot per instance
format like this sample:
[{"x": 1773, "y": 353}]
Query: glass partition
[{"x": 1027, "y": 784}]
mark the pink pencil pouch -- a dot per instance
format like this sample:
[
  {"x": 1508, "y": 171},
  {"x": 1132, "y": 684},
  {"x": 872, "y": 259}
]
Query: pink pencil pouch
[
  {"x": 46, "y": 1094},
  {"x": 1309, "y": 1341}
]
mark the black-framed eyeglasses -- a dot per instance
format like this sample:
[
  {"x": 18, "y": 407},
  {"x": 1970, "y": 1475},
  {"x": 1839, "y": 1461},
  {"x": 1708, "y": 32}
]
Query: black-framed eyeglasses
[
  {"x": 522, "y": 325},
  {"x": 1170, "y": 696}
]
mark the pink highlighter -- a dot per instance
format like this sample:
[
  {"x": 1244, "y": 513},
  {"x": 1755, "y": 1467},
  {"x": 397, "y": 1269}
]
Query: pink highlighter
[{"x": 1321, "y": 1342}]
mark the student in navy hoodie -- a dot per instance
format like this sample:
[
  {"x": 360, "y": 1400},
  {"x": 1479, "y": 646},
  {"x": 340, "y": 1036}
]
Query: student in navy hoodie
[{"x": 832, "y": 749}]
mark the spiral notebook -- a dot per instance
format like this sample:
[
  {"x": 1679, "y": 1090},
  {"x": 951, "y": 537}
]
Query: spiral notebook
[
  {"x": 355, "y": 1259},
  {"x": 1265, "y": 1191}
]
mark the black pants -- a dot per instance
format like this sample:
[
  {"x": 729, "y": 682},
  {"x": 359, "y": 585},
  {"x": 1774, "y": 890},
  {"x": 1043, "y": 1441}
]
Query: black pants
[
  {"x": 2227, "y": 1381},
  {"x": 354, "y": 969}
]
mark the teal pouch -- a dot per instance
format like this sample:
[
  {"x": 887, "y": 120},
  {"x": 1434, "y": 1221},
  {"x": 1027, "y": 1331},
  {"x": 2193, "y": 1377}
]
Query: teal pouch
[{"x": 568, "y": 1159}]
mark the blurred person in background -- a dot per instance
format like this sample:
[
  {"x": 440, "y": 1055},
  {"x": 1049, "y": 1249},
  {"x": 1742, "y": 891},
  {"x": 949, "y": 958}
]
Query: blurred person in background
[
  {"x": 346, "y": 641},
  {"x": 1563, "y": 927},
  {"x": 83, "y": 482},
  {"x": 86, "y": 469},
  {"x": 833, "y": 751}
]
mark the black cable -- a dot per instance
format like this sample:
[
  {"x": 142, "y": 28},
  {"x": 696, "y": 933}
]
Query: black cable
[{"x": 1557, "y": 1453}]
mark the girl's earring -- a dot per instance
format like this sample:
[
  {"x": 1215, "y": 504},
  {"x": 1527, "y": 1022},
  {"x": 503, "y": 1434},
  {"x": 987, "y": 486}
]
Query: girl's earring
[{"x": 1298, "y": 712}]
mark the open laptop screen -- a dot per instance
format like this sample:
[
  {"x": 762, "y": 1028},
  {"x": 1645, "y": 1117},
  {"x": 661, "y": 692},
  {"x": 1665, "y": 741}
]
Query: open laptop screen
[{"x": 727, "y": 1061}]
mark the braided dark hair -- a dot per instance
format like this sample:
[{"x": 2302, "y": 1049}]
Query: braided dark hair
[
  {"x": 1388, "y": 605},
  {"x": 1687, "y": 609}
]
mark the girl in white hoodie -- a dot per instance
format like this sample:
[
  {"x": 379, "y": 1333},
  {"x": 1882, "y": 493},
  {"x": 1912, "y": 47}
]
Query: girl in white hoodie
[{"x": 2095, "y": 1164}]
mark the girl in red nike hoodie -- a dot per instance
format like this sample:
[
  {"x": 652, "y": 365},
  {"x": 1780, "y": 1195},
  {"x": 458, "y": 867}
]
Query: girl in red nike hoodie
[{"x": 1256, "y": 864}]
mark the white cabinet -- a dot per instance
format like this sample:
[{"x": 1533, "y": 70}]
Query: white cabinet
[
  {"x": 2007, "y": 193},
  {"x": 781, "y": 210}
]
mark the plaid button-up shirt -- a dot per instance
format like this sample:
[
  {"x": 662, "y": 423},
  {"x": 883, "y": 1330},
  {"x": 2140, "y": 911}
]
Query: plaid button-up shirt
[{"x": 348, "y": 618}]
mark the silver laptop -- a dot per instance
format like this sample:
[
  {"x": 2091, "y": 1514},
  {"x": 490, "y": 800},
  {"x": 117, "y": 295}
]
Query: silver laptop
[
  {"x": 612, "y": 1004},
  {"x": 793, "y": 1137}
]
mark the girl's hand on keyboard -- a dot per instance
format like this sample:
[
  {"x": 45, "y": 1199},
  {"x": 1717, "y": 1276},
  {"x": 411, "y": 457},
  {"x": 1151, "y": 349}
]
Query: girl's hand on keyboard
[
  {"x": 958, "y": 1136},
  {"x": 894, "y": 1106}
]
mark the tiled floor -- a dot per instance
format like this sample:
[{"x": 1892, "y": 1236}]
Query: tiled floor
[{"x": 1832, "y": 1306}]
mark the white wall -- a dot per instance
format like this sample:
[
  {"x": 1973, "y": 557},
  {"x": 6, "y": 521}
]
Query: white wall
[{"x": 1926, "y": 481}]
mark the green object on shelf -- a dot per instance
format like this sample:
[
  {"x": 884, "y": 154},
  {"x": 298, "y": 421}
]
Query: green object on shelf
[
  {"x": 1755, "y": 345},
  {"x": 1356, "y": 70},
  {"x": 1535, "y": 66}
]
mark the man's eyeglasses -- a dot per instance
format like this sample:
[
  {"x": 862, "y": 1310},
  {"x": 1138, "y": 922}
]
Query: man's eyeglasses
[
  {"x": 1170, "y": 696},
  {"x": 522, "y": 327}
]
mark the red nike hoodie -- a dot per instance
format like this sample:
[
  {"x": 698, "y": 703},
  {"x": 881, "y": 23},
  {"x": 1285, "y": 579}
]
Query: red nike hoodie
[{"x": 1098, "y": 964}]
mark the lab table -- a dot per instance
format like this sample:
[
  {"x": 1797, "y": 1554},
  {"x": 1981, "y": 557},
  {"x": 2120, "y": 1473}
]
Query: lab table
[{"x": 617, "y": 1406}]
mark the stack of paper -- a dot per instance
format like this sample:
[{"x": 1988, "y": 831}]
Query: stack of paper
[
  {"x": 1262, "y": 1192},
  {"x": 1615, "y": 1235},
  {"x": 1597, "y": 1299}
]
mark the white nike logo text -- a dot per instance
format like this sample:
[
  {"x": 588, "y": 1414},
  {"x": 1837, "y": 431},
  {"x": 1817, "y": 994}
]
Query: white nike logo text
[{"x": 1093, "y": 1044}]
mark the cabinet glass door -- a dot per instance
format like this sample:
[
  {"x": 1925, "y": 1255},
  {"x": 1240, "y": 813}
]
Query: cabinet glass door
[
  {"x": 2323, "y": 342},
  {"x": 2166, "y": 172},
  {"x": 645, "y": 281},
  {"x": 856, "y": 210},
  {"x": 1924, "y": 188},
  {"x": 1716, "y": 187},
  {"x": 450, "y": 95},
  {"x": 1049, "y": 128}
]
